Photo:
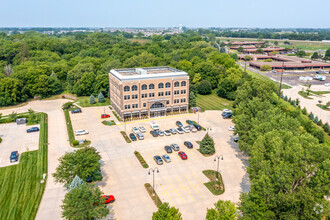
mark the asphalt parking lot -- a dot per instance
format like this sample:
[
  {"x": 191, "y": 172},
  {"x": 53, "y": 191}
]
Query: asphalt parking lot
[
  {"x": 181, "y": 182},
  {"x": 14, "y": 137}
]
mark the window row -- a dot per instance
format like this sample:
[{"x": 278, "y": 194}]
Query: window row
[
  {"x": 145, "y": 95},
  {"x": 152, "y": 86},
  {"x": 177, "y": 92},
  {"x": 128, "y": 97},
  {"x": 133, "y": 106},
  {"x": 178, "y": 101}
]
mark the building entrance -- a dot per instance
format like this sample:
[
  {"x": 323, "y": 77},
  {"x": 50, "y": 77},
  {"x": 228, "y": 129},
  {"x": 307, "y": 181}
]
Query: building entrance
[{"x": 157, "y": 110}]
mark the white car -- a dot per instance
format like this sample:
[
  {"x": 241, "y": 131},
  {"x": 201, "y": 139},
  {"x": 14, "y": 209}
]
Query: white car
[
  {"x": 179, "y": 130},
  {"x": 135, "y": 130},
  {"x": 231, "y": 128},
  {"x": 81, "y": 132},
  {"x": 226, "y": 110},
  {"x": 167, "y": 132},
  {"x": 140, "y": 136},
  {"x": 192, "y": 128},
  {"x": 142, "y": 129},
  {"x": 186, "y": 129},
  {"x": 154, "y": 125}
]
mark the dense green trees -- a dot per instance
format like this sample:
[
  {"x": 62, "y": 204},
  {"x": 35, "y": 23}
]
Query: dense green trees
[
  {"x": 207, "y": 145},
  {"x": 204, "y": 87},
  {"x": 166, "y": 212},
  {"x": 223, "y": 210}
]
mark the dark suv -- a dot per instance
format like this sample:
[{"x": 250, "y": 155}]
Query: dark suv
[
  {"x": 14, "y": 156},
  {"x": 188, "y": 144},
  {"x": 33, "y": 129},
  {"x": 77, "y": 110},
  {"x": 179, "y": 124}
]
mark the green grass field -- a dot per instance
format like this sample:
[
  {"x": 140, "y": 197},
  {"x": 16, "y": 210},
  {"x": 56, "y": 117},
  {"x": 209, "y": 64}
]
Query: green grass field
[
  {"x": 212, "y": 102},
  {"x": 84, "y": 102},
  {"x": 21, "y": 190}
]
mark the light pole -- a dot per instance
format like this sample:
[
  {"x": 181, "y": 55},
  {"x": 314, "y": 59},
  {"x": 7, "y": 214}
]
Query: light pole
[
  {"x": 279, "y": 92},
  {"x": 153, "y": 178},
  {"x": 218, "y": 157}
]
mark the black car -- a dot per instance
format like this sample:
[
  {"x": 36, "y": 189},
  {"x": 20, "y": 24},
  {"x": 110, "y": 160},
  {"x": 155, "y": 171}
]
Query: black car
[
  {"x": 188, "y": 144},
  {"x": 179, "y": 124},
  {"x": 77, "y": 110},
  {"x": 236, "y": 139},
  {"x": 154, "y": 133},
  {"x": 168, "y": 149},
  {"x": 198, "y": 127},
  {"x": 33, "y": 129},
  {"x": 189, "y": 122},
  {"x": 132, "y": 136},
  {"x": 226, "y": 116},
  {"x": 14, "y": 156}
]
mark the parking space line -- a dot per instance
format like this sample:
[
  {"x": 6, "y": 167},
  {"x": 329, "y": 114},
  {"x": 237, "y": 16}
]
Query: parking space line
[
  {"x": 185, "y": 188},
  {"x": 166, "y": 193},
  {"x": 176, "y": 191},
  {"x": 198, "y": 179},
  {"x": 194, "y": 187}
]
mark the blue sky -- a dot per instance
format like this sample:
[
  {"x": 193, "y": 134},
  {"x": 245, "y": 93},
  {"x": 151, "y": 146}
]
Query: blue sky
[{"x": 165, "y": 13}]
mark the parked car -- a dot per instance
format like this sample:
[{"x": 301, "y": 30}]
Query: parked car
[
  {"x": 77, "y": 110},
  {"x": 105, "y": 116},
  {"x": 160, "y": 133},
  {"x": 167, "y": 132},
  {"x": 231, "y": 128},
  {"x": 183, "y": 155},
  {"x": 135, "y": 130},
  {"x": 158, "y": 160},
  {"x": 14, "y": 156},
  {"x": 142, "y": 129},
  {"x": 168, "y": 149},
  {"x": 179, "y": 124},
  {"x": 193, "y": 129},
  {"x": 186, "y": 129},
  {"x": 189, "y": 122},
  {"x": 226, "y": 112},
  {"x": 140, "y": 136},
  {"x": 81, "y": 132},
  {"x": 188, "y": 144},
  {"x": 154, "y": 125},
  {"x": 132, "y": 137},
  {"x": 154, "y": 133},
  {"x": 236, "y": 139},
  {"x": 175, "y": 147},
  {"x": 108, "y": 199},
  {"x": 198, "y": 127},
  {"x": 33, "y": 129},
  {"x": 173, "y": 130},
  {"x": 180, "y": 130},
  {"x": 166, "y": 158},
  {"x": 227, "y": 116},
  {"x": 274, "y": 71}
]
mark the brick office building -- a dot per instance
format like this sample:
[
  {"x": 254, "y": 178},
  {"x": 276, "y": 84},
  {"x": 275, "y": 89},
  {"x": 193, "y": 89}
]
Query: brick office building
[{"x": 148, "y": 91}]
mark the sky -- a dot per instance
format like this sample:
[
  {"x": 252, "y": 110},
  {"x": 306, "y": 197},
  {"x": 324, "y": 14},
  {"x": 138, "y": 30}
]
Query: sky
[{"x": 166, "y": 13}]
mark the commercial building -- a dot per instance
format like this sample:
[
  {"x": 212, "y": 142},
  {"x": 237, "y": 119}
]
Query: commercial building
[
  {"x": 241, "y": 43},
  {"x": 148, "y": 91}
]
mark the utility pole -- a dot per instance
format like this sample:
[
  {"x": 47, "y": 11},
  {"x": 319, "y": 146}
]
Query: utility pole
[
  {"x": 153, "y": 178},
  {"x": 279, "y": 92},
  {"x": 218, "y": 157}
]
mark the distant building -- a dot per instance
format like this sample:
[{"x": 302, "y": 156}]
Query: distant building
[{"x": 148, "y": 91}]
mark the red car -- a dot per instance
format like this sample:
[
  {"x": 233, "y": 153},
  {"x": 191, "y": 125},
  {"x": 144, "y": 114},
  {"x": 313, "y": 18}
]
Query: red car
[
  {"x": 105, "y": 116},
  {"x": 108, "y": 199},
  {"x": 183, "y": 155}
]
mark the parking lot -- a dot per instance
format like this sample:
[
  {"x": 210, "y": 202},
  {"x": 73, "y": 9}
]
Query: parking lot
[
  {"x": 180, "y": 182},
  {"x": 14, "y": 137}
]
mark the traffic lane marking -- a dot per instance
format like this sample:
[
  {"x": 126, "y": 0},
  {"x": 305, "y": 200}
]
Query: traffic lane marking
[
  {"x": 176, "y": 191},
  {"x": 166, "y": 193},
  {"x": 185, "y": 188},
  {"x": 194, "y": 187}
]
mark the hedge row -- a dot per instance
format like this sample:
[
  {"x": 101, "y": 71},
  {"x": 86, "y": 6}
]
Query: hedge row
[{"x": 141, "y": 159}]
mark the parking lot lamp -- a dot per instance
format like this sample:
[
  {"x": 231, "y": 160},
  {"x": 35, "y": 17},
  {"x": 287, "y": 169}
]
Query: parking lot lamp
[
  {"x": 218, "y": 157},
  {"x": 153, "y": 178}
]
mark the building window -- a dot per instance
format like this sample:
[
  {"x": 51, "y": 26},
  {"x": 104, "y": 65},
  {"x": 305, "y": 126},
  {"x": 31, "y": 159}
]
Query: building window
[
  {"x": 176, "y": 84},
  {"x": 161, "y": 94},
  {"x": 134, "y": 105},
  {"x": 151, "y": 94},
  {"x": 134, "y": 96},
  {"x": 160, "y": 85},
  {"x": 176, "y": 101},
  {"x": 167, "y": 102},
  {"x": 127, "y": 106},
  {"x": 134, "y": 88},
  {"x": 145, "y": 95},
  {"x": 176, "y": 92},
  {"x": 168, "y": 93},
  {"x": 151, "y": 86},
  {"x": 144, "y": 105},
  {"x": 144, "y": 87},
  {"x": 168, "y": 85},
  {"x": 183, "y": 91},
  {"x": 183, "y": 100},
  {"x": 126, "y": 97},
  {"x": 183, "y": 83},
  {"x": 126, "y": 89}
]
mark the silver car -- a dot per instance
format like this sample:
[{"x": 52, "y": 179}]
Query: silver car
[
  {"x": 173, "y": 130},
  {"x": 160, "y": 133},
  {"x": 142, "y": 129},
  {"x": 180, "y": 130},
  {"x": 167, "y": 132},
  {"x": 140, "y": 136},
  {"x": 186, "y": 129},
  {"x": 166, "y": 158},
  {"x": 175, "y": 147},
  {"x": 192, "y": 128}
]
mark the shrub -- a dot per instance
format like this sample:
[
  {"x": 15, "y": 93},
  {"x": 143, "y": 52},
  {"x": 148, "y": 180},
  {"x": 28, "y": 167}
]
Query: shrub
[
  {"x": 316, "y": 119},
  {"x": 67, "y": 105},
  {"x": 141, "y": 159},
  {"x": 285, "y": 98},
  {"x": 266, "y": 68},
  {"x": 311, "y": 116},
  {"x": 319, "y": 123},
  {"x": 207, "y": 145},
  {"x": 326, "y": 127},
  {"x": 0, "y": 139},
  {"x": 75, "y": 143},
  {"x": 319, "y": 134},
  {"x": 304, "y": 111},
  {"x": 100, "y": 97},
  {"x": 204, "y": 87},
  {"x": 126, "y": 137},
  {"x": 268, "y": 60},
  {"x": 92, "y": 99}
]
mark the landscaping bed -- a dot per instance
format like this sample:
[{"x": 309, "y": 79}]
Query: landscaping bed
[
  {"x": 109, "y": 123},
  {"x": 141, "y": 159},
  {"x": 127, "y": 139},
  {"x": 155, "y": 198},
  {"x": 216, "y": 187}
]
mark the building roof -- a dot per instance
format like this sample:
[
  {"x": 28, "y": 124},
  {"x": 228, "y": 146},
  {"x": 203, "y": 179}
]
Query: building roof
[{"x": 147, "y": 73}]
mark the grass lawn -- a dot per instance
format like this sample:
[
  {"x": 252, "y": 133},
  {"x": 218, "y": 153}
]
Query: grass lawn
[
  {"x": 320, "y": 92},
  {"x": 21, "y": 190},
  {"x": 216, "y": 187},
  {"x": 304, "y": 94},
  {"x": 84, "y": 102},
  {"x": 213, "y": 102},
  {"x": 155, "y": 198}
]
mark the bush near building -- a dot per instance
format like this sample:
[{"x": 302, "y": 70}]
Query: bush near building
[{"x": 266, "y": 68}]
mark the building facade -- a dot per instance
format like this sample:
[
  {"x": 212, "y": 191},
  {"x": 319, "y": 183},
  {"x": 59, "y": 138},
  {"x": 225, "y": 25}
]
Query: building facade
[{"x": 149, "y": 91}]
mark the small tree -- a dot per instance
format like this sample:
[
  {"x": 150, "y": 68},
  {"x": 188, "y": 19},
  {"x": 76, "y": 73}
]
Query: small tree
[
  {"x": 31, "y": 116},
  {"x": 100, "y": 97},
  {"x": 297, "y": 101},
  {"x": 223, "y": 210},
  {"x": 260, "y": 50},
  {"x": 326, "y": 127},
  {"x": 204, "y": 87},
  {"x": 84, "y": 202},
  {"x": 222, "y": 50},
  {"x": 192, "y": 100},
  {"x": 166, "y": 212},
  {"x": 92, "y": 99},
  {"x": 304, "y": 111},
  {"x": 316, "y": 119},
  {"x": 315, "y": 56},
  {"x": 320, "y": 123},
  {"x": 13, "y": 116},
  {"x": 207, "y": 145},
  {"x": 285, "y": 98},
  {"x": 266, "y": 68},
  {"x": 240, "y": 49},
  {"x": 289, "y": 100},
  {"x": 301, "y": 53},
  {"x": 311, "y": 116}
]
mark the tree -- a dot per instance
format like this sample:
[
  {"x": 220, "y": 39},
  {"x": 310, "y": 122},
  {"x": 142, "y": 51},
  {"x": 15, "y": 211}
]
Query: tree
[
  {"x": 222, "y": 44},
  {"x": 247, "y": 58},
  {"x": 276, "y": 43},
  {"x": 265, "y": 68},
  {"x": 84, "y": 202},
  {"x": 204, "y": 87},
  {"x": 326, "y": 127},
  {"x": 207, "y": 145},
  {"x": 197, "y": 78},
  {"x": 224, "y": 210},
  {"x": 8, "y": 70},
  {"x": 240, "y": 49},
  {"x": 92, "y": 99},
  {"x": 316, "y": 119},
  {"x": 260, "y": 50},
  {"x": 315, "y": 56},
  {"x": 327, "y": 55},
  {"x": 286, "y": 42},
  {"x": 311, "y": 116},
  {"x": 100, "y": 97},
  {"x": 301, "y": 53},
  {"x": 304, "y": 111},
  {"x": 166, "y": 212},
  {"x": 83, "y": 163},
  {"x": 192, "y": 99},
  {"x": 222, "y": 50}
]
